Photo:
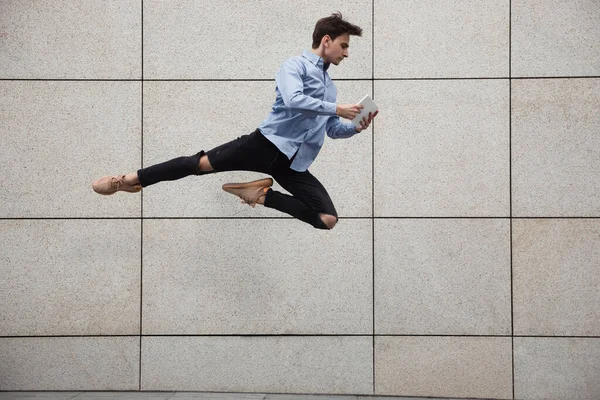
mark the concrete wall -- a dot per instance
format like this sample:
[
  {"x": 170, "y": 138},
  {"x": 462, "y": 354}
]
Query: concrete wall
[{"x": 465, "y": 262}]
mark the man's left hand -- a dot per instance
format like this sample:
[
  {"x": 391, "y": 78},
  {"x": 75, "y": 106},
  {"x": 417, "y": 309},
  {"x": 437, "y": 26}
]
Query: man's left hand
[{"x": 364, "y": 124}]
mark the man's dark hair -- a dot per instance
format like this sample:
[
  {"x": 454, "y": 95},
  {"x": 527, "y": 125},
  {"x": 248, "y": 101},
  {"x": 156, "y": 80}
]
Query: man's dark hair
[{"x": 333, "y": 26}]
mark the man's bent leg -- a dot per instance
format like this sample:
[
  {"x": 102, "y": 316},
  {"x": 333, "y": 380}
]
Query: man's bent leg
[
  {"x": 310, "y": 201},
  {"x": 299, "y": 210},
  {"x": 251, "y": 193},
  {"x": 328, "y": 220}
]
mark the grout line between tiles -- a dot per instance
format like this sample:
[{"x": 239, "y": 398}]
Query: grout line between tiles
[
  {"x": 512, "y": 318},
  {"x": 267, "y": 218},
  {"x": 324, "y": 396},
  {"x": 373, "y": 181},
  {"x": 141, "y": 201},
  {"x": 304, "y": 335},
  {"x": 271, "y": 79}
]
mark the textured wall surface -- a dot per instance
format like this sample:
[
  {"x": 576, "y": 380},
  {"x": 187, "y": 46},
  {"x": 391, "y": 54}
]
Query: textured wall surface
[{"x": 466, "y": 259}]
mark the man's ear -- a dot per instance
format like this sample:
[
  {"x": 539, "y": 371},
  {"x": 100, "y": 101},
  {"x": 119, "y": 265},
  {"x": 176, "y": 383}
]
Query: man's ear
[{"x": 326, "y": 39}]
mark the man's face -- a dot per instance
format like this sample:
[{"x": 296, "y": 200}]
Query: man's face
[{"x": 337, "y": 49}]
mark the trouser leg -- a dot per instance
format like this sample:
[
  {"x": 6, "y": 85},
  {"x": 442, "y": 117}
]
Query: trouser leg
[
  {"x": 171, "y": 170},
  {"x": 308, "y": 201}
]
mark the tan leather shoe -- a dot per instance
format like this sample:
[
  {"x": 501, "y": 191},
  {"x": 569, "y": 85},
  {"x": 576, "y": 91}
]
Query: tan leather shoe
[
  {"x": 112, "y": 184},
  {"x": 249, "y": 192}
]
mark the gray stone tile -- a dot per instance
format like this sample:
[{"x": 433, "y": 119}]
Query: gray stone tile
[
  {"x": 557, "y": 368},
  {"x": 70, "y": 39},
  {"x": 442, "y": 148},
  {"x": 450, "y": 39},
  {"x": 411, "y": 398},
  {"x": 444, "y": 366},
  {"x": 70, "y": 277},
  {"x": 217, "y": 396},
  {"x": 442, "y": 276},
  {"x": 69, "y": 363},
  {"x": 37, "y": 395},
  {"x": 308, "y": 397},
  {"x": 555, "y": 38},
  {"x": 125, "y": 396},
  {"x": 556, "y": 277},
  {"x": 58, "y": 137},
  {"x": 555, "y": 147},
  {"x": 185, "y": 39},
  {"x": 344, "y": 166},
  {"x": 275, "y": 277},
  {"x": 182, "y": 118},
  {"x": 279, "y": 364}
]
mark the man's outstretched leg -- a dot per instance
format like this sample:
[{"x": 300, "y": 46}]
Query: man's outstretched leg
[
  {"x": 133, "y": 182},
  {"x": 112, "y": 184},
  {"x": 246, "y": 153}
]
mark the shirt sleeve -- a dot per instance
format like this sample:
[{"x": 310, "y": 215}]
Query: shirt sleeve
[
  {"x": 339, "y": 130},
  {"x": 291, "y": 87}
]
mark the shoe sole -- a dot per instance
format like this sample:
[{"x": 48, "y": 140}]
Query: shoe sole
[
  {"x": 249, "y": 185},
  {"x": 138, "y": 189},
  {"x": 126, "y": 191}
]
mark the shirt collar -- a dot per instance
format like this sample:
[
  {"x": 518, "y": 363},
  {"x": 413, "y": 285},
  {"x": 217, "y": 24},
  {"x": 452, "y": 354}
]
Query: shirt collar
[{"x": 316, "y": 60}]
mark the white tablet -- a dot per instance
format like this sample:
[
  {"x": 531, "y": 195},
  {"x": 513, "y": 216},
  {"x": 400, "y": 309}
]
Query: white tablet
[{"x": 369, "y": 105}]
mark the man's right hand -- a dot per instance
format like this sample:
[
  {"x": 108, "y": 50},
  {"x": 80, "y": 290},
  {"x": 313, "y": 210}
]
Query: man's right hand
[{"x": 348, "y": 111}]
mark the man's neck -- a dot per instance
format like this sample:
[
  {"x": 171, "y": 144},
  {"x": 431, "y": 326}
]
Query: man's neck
[{"x": 318, "y": 52}]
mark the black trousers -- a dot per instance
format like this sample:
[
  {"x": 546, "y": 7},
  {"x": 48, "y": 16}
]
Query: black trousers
[{"x": 256, "y": 153}]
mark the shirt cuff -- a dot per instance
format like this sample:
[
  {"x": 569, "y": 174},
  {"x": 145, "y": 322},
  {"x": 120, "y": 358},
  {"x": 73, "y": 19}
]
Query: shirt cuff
[
  {"x": 352, "y": 129},
  {"x": 330, "y": 108}
]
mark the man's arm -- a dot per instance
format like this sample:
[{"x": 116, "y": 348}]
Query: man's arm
[
  {"x": 336, "y": 129},
  {"x": 291, "y": 87}
]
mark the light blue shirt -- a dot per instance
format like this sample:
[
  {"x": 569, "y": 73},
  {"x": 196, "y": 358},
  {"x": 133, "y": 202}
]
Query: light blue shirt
[{"x": 304, "y": 110}]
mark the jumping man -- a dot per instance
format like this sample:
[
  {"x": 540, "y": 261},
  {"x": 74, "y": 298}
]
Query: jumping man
[{"x": 286, "y": 142}]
